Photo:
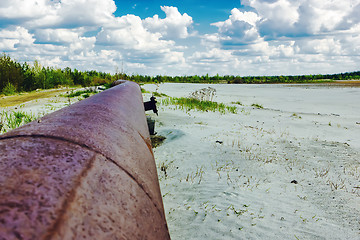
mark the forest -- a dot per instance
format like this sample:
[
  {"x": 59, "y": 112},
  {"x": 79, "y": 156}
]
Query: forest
[{"x": 24, "y": 77}]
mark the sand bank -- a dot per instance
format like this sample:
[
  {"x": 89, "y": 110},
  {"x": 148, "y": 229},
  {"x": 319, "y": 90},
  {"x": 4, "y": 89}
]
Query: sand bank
[{"x": 287, "y": 171}]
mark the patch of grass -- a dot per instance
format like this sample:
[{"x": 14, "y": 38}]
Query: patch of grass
[
  {"x": 11, "y": 120},
  {"x": 294, "y": 115},
  {"x": 84, "y": 93},
  {"x": 157, "y": 94},
  {"x": 157, "y": 140},
  {"x": 256, "y": 105},
  {"x": 231, "y": 109},
  {"x": 144, "y": 91},
  {"x": 188, "y": 104},
  {"x": 237, "y": 103}
]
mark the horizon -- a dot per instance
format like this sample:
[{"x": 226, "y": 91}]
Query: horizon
[{"x": 176, "y": 38}]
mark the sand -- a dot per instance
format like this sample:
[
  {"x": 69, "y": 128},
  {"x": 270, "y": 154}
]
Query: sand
[{"x": 287, "y": 171}]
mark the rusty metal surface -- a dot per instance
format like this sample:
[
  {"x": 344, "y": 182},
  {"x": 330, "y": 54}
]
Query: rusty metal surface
[{"x": 86, "y": 171}]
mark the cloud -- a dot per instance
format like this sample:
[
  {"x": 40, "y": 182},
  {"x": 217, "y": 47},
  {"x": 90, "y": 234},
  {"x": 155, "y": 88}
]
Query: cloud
[
  {"x": 85, "y": 33},
  {"x": 240, "y": 28},
  {"x": 277, "y": 31},
  {"x": 129, "y": 32},
  {"x": 173, "y": 26},
  {"x": 56, "y": 35},
  {"x": 265, "y": 37},
  {"x": 21, "y": 10},
  {"x": 303, "y": 17},
  {"x": 76, "y": 13},
  {"x": 15, "y": 37},
  {"x": 327, "y": 46},
  {"x": 55, "y": 13}
]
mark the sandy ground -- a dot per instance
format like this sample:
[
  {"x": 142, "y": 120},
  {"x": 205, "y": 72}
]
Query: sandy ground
[
  {"x": 287, "y": 171},
  {"x": 37, "y": 103}
]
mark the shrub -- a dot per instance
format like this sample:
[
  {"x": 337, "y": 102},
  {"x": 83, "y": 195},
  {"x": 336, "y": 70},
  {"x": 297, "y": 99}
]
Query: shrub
[{"x": 9, "y": 89}]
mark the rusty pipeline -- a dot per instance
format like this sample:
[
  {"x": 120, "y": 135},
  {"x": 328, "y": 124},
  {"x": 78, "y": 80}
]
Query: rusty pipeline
[{"x": 86, "y": 171}]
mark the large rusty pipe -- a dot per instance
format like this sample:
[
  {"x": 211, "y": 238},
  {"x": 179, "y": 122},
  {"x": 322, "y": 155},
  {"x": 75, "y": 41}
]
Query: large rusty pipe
[{"x": 86, "y": 171}]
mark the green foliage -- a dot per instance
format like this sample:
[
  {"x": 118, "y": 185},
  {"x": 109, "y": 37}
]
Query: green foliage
[
  {"x": 232, "y": 109},
  {"x": 144, "y": 91},
  {"x": 256, "y": 105},
  {"x": 13, "y": 119},
  {"x": 85, "y": 93},
  {"x": 9, "y": 89},
  {"x": 157, "y": 94},
  {"x": 10, "y": 72},
  {"x": 188, "y": 104},
  {"x": 237, "y": 103},
  {"x": 27, "y": 78}
]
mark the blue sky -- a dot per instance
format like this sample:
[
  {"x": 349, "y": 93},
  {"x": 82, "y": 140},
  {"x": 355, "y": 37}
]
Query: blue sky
[{"x": 185, "y": 37}]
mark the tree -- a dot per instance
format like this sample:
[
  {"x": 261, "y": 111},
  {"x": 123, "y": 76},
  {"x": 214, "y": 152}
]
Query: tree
[{"x": 10, "y": 73}]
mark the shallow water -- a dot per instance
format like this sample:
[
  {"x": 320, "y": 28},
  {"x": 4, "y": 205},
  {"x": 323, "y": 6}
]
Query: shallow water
[{"x": 303, "y": 98}]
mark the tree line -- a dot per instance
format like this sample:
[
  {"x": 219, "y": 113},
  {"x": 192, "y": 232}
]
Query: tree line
[{"x": 18, "y": 77}]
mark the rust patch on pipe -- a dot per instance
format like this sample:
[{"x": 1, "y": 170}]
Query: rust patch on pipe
[
  {"x": 70, "y": 198},
  {"x": 88, "y": 148},
  {"x": 148, "y": 143}
]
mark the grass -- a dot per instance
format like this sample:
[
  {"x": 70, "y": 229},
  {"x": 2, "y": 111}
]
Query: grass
[
  {"x": 256, "y": 105},
  {"x": 157, "y": 94},
  {"x": 84, "y": 93},
  {"x": 237, "y": 103},
  {"x": 294, "y": 115},
  {"x": 188, "y": 104},
  {"x": 157, "y": 140},
  {"x": 13, "y": 119},
  {"x": 144, "y": 91}
]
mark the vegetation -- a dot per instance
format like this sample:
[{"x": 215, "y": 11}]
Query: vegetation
[
  {"x": 188, "y": 104},
  {"x": 256, "y": 105},
  {"x": 17, "y": 77},
  {"x": 84, "y": 93},
  {"x": 157, "y": 94},
  {"x": 13, "y": 119}
]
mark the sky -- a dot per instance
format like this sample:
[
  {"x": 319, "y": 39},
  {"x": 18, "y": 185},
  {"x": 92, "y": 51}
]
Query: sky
[{"x": 185, "y": 37}]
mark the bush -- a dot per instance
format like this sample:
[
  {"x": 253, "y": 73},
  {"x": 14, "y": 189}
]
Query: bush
[{"x": 9, "y": 89}]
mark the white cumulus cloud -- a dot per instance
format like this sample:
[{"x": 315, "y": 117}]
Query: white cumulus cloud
[
  {"x": 14, "y": 37},
  {"x": 240, "y": 28},
  {"x": 175, "y": 25}
]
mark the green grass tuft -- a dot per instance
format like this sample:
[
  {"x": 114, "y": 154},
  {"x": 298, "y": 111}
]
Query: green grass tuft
[
  {"x": 11, "y": 120},
  {"x": 85, "y": 93},
  {"x": 258, "y": 106},
  {"x": 188, "y": 104},
  {"x": 157, "y": 94}
]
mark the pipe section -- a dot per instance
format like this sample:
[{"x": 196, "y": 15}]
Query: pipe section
[{"x": 86, "y": 171}]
